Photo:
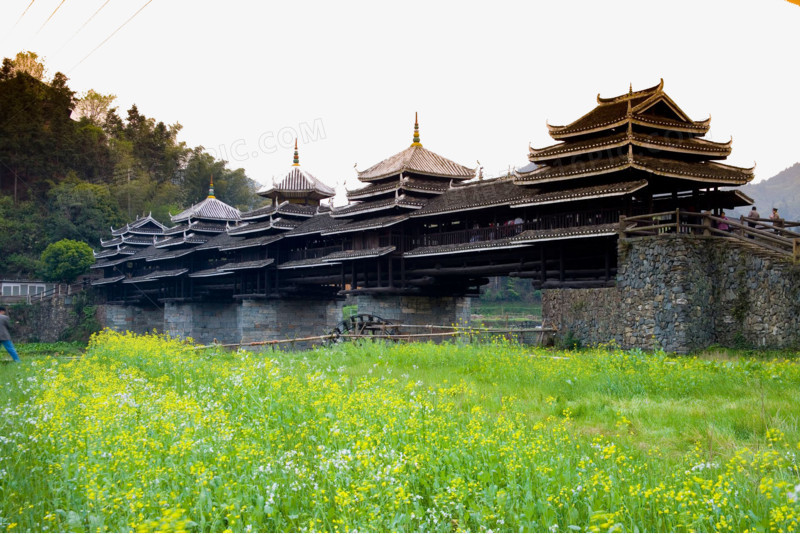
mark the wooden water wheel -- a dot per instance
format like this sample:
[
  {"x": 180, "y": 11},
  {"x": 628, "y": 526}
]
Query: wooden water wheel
[{"x": 363, "y": 324}]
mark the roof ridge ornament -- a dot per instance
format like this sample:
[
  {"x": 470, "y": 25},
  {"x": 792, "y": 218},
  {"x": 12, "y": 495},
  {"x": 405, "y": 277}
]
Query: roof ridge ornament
[
  {"x": 296, "y": 162},
  {"x": 415, "y": 141},
  {"x": 211, "y": 188}
]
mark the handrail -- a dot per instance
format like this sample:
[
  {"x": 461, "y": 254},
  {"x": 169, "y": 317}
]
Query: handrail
[
  {"x": 767, "y": 233},
  {"x": 69, "y": 289}
]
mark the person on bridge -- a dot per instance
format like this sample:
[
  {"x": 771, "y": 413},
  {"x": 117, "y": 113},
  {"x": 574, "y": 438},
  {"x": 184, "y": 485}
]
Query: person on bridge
[
  {"x": 777, "y": 222},
  {"x": 5, "y": 337},
  {"x": 753, "y": 215},
  {"x": 723, "y": 224}
]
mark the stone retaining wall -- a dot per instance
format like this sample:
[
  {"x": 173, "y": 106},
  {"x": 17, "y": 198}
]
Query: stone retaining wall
[{"x": 683, "y": 293}]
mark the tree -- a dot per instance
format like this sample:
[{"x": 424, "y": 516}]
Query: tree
[
  {"x": 65, "y": 260},
  {"x": 94, "y": 107},
  {"x": 80, "y": 210},
  {"x": 28, "y": 62}
]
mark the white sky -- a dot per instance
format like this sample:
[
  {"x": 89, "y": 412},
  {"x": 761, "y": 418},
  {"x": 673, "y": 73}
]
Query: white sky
[{"x": 243, "y": 76}]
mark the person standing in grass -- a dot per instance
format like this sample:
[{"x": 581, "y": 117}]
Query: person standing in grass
[{"x": 5, "y": 337}]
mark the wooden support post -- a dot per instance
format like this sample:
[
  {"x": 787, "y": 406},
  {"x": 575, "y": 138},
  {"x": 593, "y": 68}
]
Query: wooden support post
[
  {"x": 677, "y": 220},
  {"x": 706, "y": 225},
  {"x": 621, "y": 228},
  {"x": 544, "y": 265},
  {"x": 391, "y": 276}
]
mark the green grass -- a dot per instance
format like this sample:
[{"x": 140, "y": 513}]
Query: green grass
[
  {"x": 145, "y": 433},
  {"x": 499, "y": 310},
  {"x": 61, "y": 348}
]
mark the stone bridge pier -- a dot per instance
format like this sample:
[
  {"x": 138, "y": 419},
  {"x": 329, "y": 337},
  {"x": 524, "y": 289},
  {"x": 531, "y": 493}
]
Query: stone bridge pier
[{"x": 258, "y": 320}]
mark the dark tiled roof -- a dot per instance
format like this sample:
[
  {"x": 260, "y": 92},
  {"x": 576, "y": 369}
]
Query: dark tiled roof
[
  {"x": 358, "y": 254},
  {"x": 147, "y": 230},
  {"x": 145, "y": 224},
  {"x": 581, "y": 193},
  {"x": 124, "y": 251},
  {"x": 702, "y": 172},
  {"x": 285, "y": 224},
  {"x": 403, "y": 201},
  {"x": 315, "y": 225},
  {"x": 242, "y": 265},
  {"x": 141, "y": 240},
  {"x": 477, "y": 195},
  {"x": 530, "y": 236},
  {"x": 552, "y": 173},
  {"x": 111, "y": 242},
  {"x": 171, "y": 254},
  {"x": 686, "y": 145},
  {"x": 302, "y": 210},
  {"x": 260, "y": 212},
  {"x": 286, "y": 208},
  {"x": 177, "y": 229},
  {"x": 154, "y": 275},
  {"x": 408, "y": 184},
  {"x": 207, "y": 273},
  {"x": 209, "y": 209},
  {"x": 613, "y": 112},
  {"x": 105, "y": 281},
  {"x": 418, "y": 160},
  {"x": 189, "y": 239},
  {"x": 251, "y": 227},
  {"x": 251, "y": 242},
  {"x": 709, "y": 172},
  {"x": 522, "y": 240},
  {"x": 462, "y": 248},
  {"x": 367, "y": 224},
  {"x": 219, "y": 241},
  {"x": 299, "y": 183},
  {"x": 209, "y": 227},
  {"x": 228, "y": 268},
  {"x": 300, "y": 264}
]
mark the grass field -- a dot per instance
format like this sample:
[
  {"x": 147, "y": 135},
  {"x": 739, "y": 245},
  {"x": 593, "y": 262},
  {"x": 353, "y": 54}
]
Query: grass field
[{"x": 148, "y": 434}]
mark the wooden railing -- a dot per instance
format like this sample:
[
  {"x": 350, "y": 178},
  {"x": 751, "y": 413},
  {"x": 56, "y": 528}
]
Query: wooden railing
[
  {"x": 55, "y": 291},
  {"x": 773, "y": 235}
]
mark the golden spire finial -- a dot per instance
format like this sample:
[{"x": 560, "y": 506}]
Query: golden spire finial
[
  {"x": 630, "y": 88},
  {"x": 416, "y": 132},
  {"x": 296, "y": 162},
  {"x": 211, "y": 188}
]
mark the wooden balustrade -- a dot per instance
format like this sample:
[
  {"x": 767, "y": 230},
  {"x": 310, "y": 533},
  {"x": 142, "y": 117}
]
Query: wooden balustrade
[{"x": 773, "y": 235}]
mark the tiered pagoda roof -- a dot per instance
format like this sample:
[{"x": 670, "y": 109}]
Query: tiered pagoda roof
[
  {"x": 295, "y": 201},
  {"x": 638, "y": 135},
  {"x": 209, "y": 210},
  {"x": 404, "y": 181},
  {"x": 126, "y": 243},
  {"x": 297, "y": 185}
]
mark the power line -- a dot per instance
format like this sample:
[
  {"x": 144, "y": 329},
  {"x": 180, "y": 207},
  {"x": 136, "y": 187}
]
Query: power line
[
  {"x": 23, "y": 14},
  {"x": 51, "y": 15},
  {"x": 110, "y": 36},
  {"x": 82, "y": 27}
]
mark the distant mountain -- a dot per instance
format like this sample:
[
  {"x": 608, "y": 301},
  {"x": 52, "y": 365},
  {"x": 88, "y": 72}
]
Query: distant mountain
[{"x": 782, "y": 191}]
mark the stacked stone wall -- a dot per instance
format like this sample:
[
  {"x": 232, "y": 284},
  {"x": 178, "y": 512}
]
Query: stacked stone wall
[{"x": 683, "y": 293}]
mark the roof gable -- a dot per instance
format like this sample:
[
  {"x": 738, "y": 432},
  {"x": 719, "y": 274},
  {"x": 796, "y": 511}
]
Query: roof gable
[{"x": 419, "y": 160}]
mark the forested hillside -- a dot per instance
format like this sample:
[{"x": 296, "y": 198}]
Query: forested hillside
[{"x": 73, "y": 165}]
